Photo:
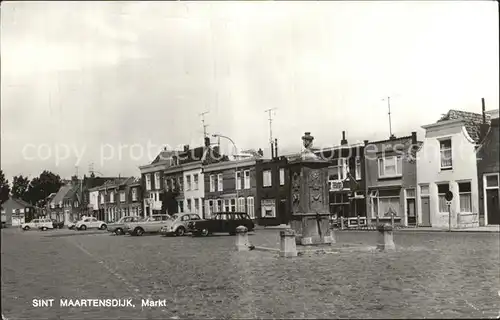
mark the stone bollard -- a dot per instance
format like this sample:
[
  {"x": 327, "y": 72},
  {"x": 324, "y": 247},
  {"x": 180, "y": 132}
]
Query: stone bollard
[
  {"x": 392, "y": 221},
  {"x": 458, "y": 220},
  {"x": 359, "y": 222},
  {"x": 288, "y": 247},
  {"x": 385, "y": 238},
  {"x": 242, "y": 239},
  {"x": 341, "y": 223}
]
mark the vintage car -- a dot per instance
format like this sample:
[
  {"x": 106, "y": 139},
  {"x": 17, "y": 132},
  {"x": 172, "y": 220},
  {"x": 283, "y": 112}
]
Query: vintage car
[
  {"x": 90, "y": 222},
  {"x": 178, "y": 224},
  {"x": 118, "y": 227},
  {"x": 221, "y": 222},
  {"x": 152, "y": 224},
  {"x": 42, "y": 224}
]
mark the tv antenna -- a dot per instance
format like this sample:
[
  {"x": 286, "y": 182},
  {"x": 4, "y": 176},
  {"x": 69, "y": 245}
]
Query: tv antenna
[
  {"x": 203, "y": 123},
  {"x": 388, "y": 99},
  {"x": 269, "y": 111}
]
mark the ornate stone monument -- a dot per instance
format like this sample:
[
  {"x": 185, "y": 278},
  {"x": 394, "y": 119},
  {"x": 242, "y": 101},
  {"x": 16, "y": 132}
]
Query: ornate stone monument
[{"x": 309, "y": 194}]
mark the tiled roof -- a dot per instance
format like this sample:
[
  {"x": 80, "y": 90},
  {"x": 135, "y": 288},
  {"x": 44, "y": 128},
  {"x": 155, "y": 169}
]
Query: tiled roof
[
  {"x": 61, "y": 193},
  {"x": 73, "y": 191},
  {"x": 472, "y": 121},
  {"x": 22, "y": 202},
  {"x": 164, "y": 156}
]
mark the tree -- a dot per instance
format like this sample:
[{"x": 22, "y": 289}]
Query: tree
[
  {"x": 4, "y": 188},
  {"x": 20, "y": 186},
  {"x": 41, "y": 187}
]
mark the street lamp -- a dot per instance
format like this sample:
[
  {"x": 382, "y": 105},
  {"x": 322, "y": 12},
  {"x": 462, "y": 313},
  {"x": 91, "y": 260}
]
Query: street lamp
[{"x": 235, "y": 167}]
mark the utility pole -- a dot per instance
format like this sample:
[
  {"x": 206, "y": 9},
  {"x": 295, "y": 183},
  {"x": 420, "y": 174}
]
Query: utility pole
[
  {"x": 203, "y": 123},
  {"x": 389, "y": 113},
  {"x": 269, "y": 111}
]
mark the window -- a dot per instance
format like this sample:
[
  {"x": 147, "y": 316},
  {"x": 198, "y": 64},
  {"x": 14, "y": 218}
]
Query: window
[
  {"x": 102, "y": 198},
  {"x": 388, "y": 206},
  {"x": 166, "y": 183},
  {"x": 338, "y": 171},
  {"x": 492, "y": 181},
  {"x": 410, "y": 193},
  {"x": 75, "y": 204},
  {"x": 241, "y": 205},
  {"x": 188, "y": 205},
  {"x": 180, "y": 183},
  {"x": 112, "y": 197},
  {"x": 148, "y": 181},
  {"x": 266, "y": 178},
  {"x": 219, "y": 182},
  {"x": 446, "y": 154},
  {"x": 218, "y": 206},
  {"x": 180, "y": 204},
  {"x": 357, "y": 170},
  {"x": 442, "y": 189},
  {"x": 212, "y": 183},
  {"x": 464, "y": 191},
  {"x": 122, "y": 196},
  {"x": 227, "y": 207},
  {"x": 282, "y": 176},
  {"x": 246, "y": 174},
  {"x": 268, "y": 208},
  {"x": 391, "y": 166},
  {"x": 157, "y": 180},
  {"x": 195, "y": 181},
  {"x": 210, "y": 208},
  {"x": 237, "y": 177},
  {"x": 424, "y": 190},
  {"x": 233, "y": 205},
  {"x": 134, "y": 194},
  {"x": 196, "y": 206},
  {"x": 250, "y": 207},
  {"x": 188, "y": 182}
]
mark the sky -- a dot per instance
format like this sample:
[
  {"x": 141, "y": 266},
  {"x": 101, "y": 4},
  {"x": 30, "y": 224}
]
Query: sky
[{"x": 110, "y": 83}]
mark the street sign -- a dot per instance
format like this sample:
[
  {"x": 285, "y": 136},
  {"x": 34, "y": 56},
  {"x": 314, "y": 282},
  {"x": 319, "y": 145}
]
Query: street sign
[
  {"x": 448, "y": 196},
  {"x": 448, "y": 203}
]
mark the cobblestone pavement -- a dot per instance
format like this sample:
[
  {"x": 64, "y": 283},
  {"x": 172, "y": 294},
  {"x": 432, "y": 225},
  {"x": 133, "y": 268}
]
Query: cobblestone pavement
[{"x": 435, "y": 275}]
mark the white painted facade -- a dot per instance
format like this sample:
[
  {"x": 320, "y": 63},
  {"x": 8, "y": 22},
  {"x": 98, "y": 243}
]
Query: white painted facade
[
  {"x": 94, "y": 200},
  {"x": 194, "y": 188},
  {"x": 434, "y": 173}
]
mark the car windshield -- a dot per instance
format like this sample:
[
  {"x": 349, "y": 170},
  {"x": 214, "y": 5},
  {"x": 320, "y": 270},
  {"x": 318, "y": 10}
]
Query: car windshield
[{"x": 173, "y": 217}]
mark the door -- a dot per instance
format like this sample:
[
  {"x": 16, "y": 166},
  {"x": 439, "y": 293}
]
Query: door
[
  {"x": 410, "y": 211},
  {"x": 492, "y": 206},
  {"x": 283, "y": 216},
  {"x": 426, "y": 212}
]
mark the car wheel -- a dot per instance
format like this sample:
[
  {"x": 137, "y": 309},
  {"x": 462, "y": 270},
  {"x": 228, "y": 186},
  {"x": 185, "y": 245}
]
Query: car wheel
[
  {"x": 44, "y": 228},
  {"x": 139, "y": 231},
  {"x": 103, "y": 227},
  {"x": 180, "y": 231},
  {"x": 26, "y": 228},
  {"x": 204, "y": 232},
  {"x": 83, "y": 227},
  {"x": 119, "y": 231}
]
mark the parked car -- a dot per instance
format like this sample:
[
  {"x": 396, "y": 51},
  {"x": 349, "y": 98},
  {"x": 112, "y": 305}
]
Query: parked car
[
  {"x": 72, "y": 225},
  {"x": 221, "y": 222},
  {"x": 151, "y": 224},
  {"x": 57, "y": 225},
  {"x": 90, "y": 222},
  {"x": 42, "y": 224},
  {"x": 118, "y": 227},
  {"x": 178, "y": 224}
]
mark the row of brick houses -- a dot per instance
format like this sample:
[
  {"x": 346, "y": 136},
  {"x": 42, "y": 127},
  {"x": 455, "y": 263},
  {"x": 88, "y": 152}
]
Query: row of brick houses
[
  {"x": 375, "y": 180},
  {"x": 400, "y": 177}
]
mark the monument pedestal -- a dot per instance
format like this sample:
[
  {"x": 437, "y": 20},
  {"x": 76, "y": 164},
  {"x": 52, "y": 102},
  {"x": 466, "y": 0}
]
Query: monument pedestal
[{"x": 311, "y": 231}]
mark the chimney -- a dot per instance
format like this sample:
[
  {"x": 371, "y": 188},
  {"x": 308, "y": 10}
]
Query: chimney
[
  {"x": 186, "y": 148},
  {"x": 207, "y": 142},
  {"x": 484, "y": 110},
  {"x": 276, "y": 148},
  {"x": 414, "y": 137},
  {"x": 343, "y": 142},
  {"x": 260, "y": 152},
  {"x": 272, "y": 150},
  {"x": 484, "y": 127}
]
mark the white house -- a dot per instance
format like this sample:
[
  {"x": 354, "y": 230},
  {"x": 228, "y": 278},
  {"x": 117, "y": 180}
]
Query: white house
[
  {"x": 194, "y": 188},
  {"x": 447, "y": 162}
]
